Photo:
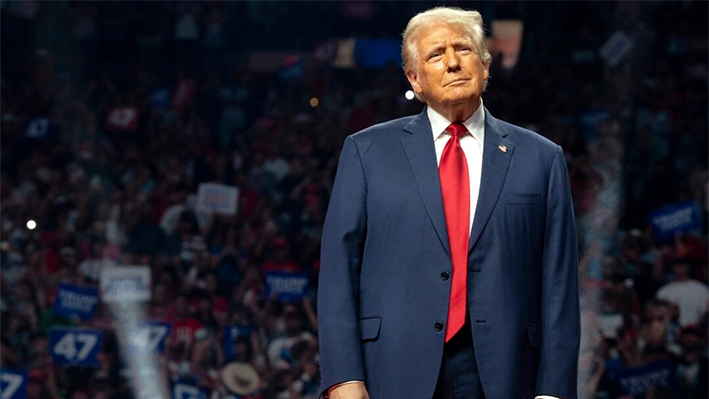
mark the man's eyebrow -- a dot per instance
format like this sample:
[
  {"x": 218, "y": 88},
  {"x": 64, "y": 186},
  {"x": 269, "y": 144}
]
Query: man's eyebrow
[{"x": 433, "y": 48}]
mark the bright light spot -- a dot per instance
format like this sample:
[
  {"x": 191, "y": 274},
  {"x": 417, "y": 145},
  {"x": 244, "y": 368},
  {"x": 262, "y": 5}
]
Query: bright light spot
[
  {"x": 314, "y": 102},
  {"x": 31, "y": 224},
  {"x": 409, "y": 95}
]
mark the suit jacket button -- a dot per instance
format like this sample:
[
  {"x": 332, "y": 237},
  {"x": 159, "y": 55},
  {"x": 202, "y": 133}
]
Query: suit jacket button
[
  {"x": 445, "y": 275},
  {"x": 438, "y": 326}
]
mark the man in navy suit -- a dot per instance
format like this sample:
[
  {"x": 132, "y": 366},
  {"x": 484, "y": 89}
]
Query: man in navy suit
[{"x": 449, "y": 254}]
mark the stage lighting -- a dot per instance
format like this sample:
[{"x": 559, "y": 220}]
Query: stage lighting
[
  {"x": 409, "y": 95},
  {"x": 31, "y": 224}
]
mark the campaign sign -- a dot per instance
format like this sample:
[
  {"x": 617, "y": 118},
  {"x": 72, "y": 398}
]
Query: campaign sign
[
  {"x": 616, "y": 48},
  {"x": 231, "y": 334},
  {"x": 75, "y": 301},
  {"x": 150, "y": 337},
  {"x": 122, "y": 118},
  {"x": 75, "y": 347},
  {"x": 13, "y": 384},
  {"x": 160, "y": 98},
  {"x": 37, "y": 128},
  {"x": 639, "y": 380},
  {"x": 183, "y": 390},
  {"x": 290, "y": 287},
  {"x": 682, "y": 217},
  {"x": 217, "y": 198},
  {"x": 125, "y": 284}
]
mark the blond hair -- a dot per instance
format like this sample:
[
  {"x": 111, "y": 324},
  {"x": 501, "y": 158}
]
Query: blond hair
[{"x": 469, "y": 22}]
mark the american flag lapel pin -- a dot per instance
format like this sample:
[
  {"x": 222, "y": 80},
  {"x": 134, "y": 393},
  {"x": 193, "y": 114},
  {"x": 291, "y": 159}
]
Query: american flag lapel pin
[{"x": 502, "y": 148}]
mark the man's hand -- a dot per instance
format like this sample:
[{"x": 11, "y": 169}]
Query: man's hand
[{"x": 354, "y": 390}]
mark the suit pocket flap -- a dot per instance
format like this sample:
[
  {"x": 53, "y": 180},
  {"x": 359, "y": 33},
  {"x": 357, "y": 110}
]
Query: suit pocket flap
[
  {"x": 369, "y": 327},
  {"x": 535, "y": 336},
  {"x": 525, "y": 199}
]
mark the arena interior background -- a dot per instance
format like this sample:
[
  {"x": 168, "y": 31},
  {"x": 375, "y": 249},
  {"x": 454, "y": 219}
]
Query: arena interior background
[{"x": 197, "y": 141}]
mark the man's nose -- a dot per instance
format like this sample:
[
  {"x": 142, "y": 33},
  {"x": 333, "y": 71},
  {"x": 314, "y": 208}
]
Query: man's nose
[{"x": 452, "y": 59}]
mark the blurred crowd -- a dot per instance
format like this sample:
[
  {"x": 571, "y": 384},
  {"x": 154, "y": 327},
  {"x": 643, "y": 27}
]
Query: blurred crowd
[{"x": 106, "y": 189}]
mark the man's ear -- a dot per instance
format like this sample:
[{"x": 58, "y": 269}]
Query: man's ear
[{"x": 412, "y": 77}]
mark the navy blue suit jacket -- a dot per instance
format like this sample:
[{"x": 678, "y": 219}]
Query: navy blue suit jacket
[{"x": 385, "y": 246}]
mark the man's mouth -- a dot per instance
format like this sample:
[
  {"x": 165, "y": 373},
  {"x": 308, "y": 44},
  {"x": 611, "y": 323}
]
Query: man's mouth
[{"x": 456, "y": 81}]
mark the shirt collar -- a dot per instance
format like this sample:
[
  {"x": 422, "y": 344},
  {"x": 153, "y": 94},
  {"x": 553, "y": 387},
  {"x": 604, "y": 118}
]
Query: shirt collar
[{"x": 475, "y": 123}]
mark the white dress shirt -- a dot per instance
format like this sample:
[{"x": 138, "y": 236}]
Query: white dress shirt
[{"x": 472, "y": 145}]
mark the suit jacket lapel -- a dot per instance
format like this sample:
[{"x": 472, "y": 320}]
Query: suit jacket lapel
[
  {"x": 421, "y": 153},
  {"x": 497, "y": 153}
]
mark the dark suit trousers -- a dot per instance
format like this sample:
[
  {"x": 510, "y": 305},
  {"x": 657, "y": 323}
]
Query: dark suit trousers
[{"x": 459, "y": 377}]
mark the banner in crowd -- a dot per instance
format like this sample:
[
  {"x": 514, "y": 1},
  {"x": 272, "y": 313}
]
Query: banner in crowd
[
  {"x": 125, "y": 284},
  {"x": 150, "y": 337},
  {"x": 231, "y": 334},
  {"x": 184, "y": 94},
  {"x": 507, "y": 40},
  {"x": 681, "y": 217},
  {"x": 639, "y": 380},
  {"x": 75, "y": 301},
  {"x": 75, "y": 347},
  {"x": 38, "y": 128},
  {"x": 185, "y": 390},
  {"x": 13, "y": 384},
  {"x": 122, "y": 119},
  {"x": 358, "y": 9},
  {"x": 376, "y": 53},
  {"x": 160, "y": 98},
  {"x": 292, "y": 70},
  {"x": 616, "y": 48},
  {"x": 217, "y": 198},
  {"x": 290, "y": 287}
]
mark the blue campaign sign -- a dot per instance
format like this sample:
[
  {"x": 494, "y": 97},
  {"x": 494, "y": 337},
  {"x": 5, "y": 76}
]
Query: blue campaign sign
[
  {"x": 682, "y": 217},
  {"x": 376, "y": 53},
  {"x": 76, "y": 347},
  {"x": 639, "y": 380},
  {"x": 79, "y": 301},
  {"x": 151, "y": 337},
  {"x": 160, "y": 98},
  {"x": 231, "y": 334},
  {"x": 183, "y": 390},
  {"x": 13, "y": 384},
  {"x": 290, "y": 287},
  {"x": 38, "y": 128}
]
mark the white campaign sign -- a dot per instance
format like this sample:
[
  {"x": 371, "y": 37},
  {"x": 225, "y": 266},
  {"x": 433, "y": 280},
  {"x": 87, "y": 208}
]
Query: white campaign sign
[
  {"x": 125, "y": 284},
  {"x": 217, "y": 198}
]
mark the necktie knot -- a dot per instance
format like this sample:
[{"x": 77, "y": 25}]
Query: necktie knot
[{"x": 457, "y": 130}]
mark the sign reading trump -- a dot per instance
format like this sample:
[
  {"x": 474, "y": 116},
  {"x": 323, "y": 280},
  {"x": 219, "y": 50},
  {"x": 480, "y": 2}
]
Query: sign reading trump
[
  {"x": 682, "y": 217},
  {"x": 125, "y": 284},
  {"x": 289, "y": 287},
  {"x": 75, "y": 301},
  {"x": 217, "y": 198}
]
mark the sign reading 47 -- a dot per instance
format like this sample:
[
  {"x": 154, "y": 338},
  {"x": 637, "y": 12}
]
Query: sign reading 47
[
  {"x": 13, "y": 384},
  {"x": 76, "y": 347}
]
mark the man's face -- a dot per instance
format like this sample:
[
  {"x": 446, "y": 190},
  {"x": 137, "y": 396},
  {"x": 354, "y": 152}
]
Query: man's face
[{"x": 448, "y": 69}]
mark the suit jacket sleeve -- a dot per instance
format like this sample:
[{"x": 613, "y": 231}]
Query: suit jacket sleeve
[
  {"x": 561, "y": 331},
  {"x": 338, "y": 287}
]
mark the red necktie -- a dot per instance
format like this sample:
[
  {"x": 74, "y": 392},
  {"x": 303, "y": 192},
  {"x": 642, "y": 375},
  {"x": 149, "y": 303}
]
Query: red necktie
[{"x": 455, "y": 188}]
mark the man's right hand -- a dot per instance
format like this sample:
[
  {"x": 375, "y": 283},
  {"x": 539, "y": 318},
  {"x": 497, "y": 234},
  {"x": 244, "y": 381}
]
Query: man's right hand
[{"x": 354, "y": 390}]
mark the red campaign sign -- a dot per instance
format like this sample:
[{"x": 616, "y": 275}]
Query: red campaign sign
[
  {"x": 359, "y": 9},
  {"x": 122, "y": 118},
  {"x": 184, "y": 93}
]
